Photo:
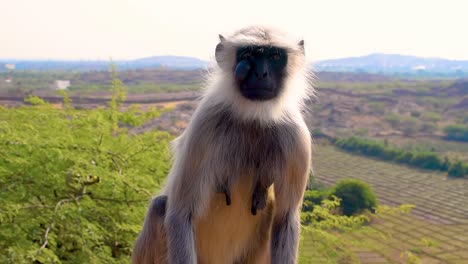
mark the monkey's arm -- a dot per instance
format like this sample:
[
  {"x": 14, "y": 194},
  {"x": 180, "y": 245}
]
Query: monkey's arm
[
  {"x": 289, "y": 191},
  {"x": 179, "y": 223},
  {"x": 188, "y": 190},
  {"x": 151, "y": 246}
]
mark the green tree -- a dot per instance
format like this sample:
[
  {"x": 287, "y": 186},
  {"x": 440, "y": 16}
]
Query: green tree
[
  {"x": 73, "y": 188},
  {"x": 355, "y": 196}
]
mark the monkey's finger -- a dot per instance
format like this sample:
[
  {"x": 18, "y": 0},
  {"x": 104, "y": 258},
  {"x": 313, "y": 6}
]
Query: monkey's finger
[{"x": 228, "y": 198}]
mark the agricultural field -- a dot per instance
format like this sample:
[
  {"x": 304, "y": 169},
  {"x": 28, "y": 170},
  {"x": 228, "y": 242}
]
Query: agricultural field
[{"x": 436, "y": 231}]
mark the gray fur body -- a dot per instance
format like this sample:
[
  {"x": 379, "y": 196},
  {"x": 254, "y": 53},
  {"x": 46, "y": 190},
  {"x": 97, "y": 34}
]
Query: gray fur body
[
  {"x": 260, "y": 153},
  {"x": 224, "y": 148}
]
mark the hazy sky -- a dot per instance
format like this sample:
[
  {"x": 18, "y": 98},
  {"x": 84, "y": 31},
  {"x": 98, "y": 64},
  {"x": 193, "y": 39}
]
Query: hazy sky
[{"x": 99, "y": 29}]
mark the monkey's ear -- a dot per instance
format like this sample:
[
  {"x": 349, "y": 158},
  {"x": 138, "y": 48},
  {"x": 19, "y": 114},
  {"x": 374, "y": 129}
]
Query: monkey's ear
[
  {"x": 221, "y": 38},
  {"x": 301, "y": 45},
  {"x": 219, "y": 49}
]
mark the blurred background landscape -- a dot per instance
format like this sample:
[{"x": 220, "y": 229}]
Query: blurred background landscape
[{"x": 84, "y": 138}]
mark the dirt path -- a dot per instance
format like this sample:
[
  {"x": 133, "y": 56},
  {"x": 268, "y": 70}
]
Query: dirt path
[{"x": 103, "y": 99}]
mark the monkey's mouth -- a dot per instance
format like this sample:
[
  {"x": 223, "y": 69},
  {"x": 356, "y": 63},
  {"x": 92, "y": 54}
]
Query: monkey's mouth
[{"x": 258, "y": 91}]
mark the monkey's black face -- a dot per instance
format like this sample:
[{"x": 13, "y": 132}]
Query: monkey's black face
[{"x": 260, "y": 71}]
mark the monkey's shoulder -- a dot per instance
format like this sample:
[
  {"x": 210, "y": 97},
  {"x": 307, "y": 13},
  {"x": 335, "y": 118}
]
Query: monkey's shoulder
[
  {"x": 229, "y": 124},
  {"x": 219, "y": 126}
]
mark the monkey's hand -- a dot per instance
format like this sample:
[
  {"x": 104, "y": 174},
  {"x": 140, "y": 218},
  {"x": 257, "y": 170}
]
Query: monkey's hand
[
  {"x": 227, "y": 193},
  {"x": 259, "y": 199}
]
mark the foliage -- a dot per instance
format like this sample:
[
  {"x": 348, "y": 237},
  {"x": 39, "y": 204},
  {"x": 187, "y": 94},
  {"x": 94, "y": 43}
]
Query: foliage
[
  {"x": 119, "y": 91},
  {"x": 362, "y": 131},
  {"x": 410, "y": 257},
  {"x": 320, "y": 233},
  {"x": 409, "y": 125},
  {"x": 420, "y": 159},
  {"x": 34, "y": 100},
  {"x": 464, "y": 118},
  {"x": 356, "y": 196},
  {"x": 66, "y": 99},
  {"x": 324, "y": 246},
  {"x": 388, "y": 210},
  {"x": 428, "y": 127},
  {"x": 457, "y": 132},
  {"x": 431, "y": 117},
  {"x": 314, "y": 184},
  {"x": 415, "y": 113},
  {"x": 313, "y": 198},
  {"x": 393, "y": 119},
  {"x": 458, "y": 169},
  {"x": 75, "y": 184},
  {"x": 377, "y": 107},
  {"x": 324, "y": 216}
]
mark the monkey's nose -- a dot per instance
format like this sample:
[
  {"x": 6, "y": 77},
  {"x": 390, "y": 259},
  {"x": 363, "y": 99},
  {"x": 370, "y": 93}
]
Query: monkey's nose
[
  {"x": 261, "y": 69},
  {"x": 261, "y": 75}
]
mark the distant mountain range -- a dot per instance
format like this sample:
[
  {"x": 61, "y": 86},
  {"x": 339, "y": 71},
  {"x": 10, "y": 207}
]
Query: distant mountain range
[
  {"x": 392, "y": 64},
  {"x": 171, "y": 62}
]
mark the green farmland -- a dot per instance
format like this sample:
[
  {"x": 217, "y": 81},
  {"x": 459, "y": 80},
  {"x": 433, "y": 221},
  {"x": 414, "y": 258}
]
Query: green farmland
[{"x": 436, "y": 231}]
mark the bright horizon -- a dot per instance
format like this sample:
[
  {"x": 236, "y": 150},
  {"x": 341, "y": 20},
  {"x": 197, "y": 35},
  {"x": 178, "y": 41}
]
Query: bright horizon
[{"x": 89, "y": 30}]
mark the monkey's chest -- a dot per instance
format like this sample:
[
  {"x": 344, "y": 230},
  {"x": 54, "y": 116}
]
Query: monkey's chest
[{"x": 225, "y": 233}]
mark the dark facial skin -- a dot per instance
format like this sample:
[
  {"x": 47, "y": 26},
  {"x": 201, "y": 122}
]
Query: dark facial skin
[{"x": 260, "y": 71}]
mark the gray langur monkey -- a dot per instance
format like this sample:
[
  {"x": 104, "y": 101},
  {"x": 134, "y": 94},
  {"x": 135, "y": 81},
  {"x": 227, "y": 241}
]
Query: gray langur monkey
[{"x": 240, "y": 168}]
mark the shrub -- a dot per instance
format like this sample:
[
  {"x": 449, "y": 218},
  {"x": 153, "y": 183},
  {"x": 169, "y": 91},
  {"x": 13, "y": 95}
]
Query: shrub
[
  {"x": 457, "y": 132},
  {"x": 362, "y": 131},
  {"x": 356, "y": 196},
  {"x": 377, "y": 107},
  {"x": 34, "y": 100},
  {"x": 313, "y": 184},
  {"x": 313, "y": 198},
  {"x": 428, "y": 127},
  {"x": 431, "y": 117},
  {"x": 426, "y": 160},
  {"x": 420, "y": 159},
  {"x": 409, "y": 126},
  {"x": 458, "y": 169},
  {"x": 404, "y": 157},
  {"x": 393, "y": 119},
  {"x": 465, "y": 118},
  {"x": 318, "y": 133}
]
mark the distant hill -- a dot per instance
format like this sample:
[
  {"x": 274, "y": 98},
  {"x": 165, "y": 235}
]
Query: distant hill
[
  {"x": 177, "y": 62},
  {"x": 171, "y": 62},
  {"x": 395, "y": 64},
  {"x": 383, "y": 64}
]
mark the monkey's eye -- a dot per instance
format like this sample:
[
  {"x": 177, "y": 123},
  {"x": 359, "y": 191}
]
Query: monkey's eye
[
  {"x": 246, "y": 55},
  {"x": 275, "y": 56}
]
